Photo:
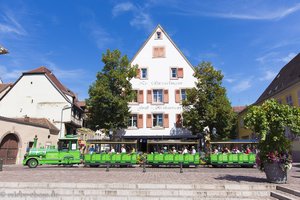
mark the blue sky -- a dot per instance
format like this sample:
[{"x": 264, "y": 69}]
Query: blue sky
[{"x": 250, "y": 41}]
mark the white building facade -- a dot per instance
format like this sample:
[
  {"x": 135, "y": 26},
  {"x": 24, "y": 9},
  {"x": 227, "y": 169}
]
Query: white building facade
[
  {"x": 39, "y": 94},
  {"x": 164, "y": 75}
]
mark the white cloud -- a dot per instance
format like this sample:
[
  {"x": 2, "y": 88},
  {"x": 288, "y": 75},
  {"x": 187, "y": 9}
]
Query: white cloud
[
  {"x": 10, "y": 24},
  {"x": 252, "y": 10},
  {"x": 288, "y": 58},
  {"x": 141, "y": 18},
  {"x": 229, "y": 80},
  {"x": 268, "y": 75},
  {"x": 242, "y": 85},
  {"x": 122, "y": 7}
]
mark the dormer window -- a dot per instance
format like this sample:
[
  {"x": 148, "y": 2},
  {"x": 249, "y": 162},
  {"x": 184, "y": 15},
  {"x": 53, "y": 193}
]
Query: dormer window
[{"x": 158, "y": 35}]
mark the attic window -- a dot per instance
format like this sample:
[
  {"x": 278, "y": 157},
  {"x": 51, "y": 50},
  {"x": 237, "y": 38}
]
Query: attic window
[
  {"x": 158, "y": 35},
  {"x": 270, "y": 91}
]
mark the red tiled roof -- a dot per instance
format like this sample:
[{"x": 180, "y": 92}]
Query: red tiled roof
[
  {"x": 238, "y": 109},
  {"x": 44, "y": 70},
  {"x": 81, "y": 103},
  {"x": 39, "y": 122},
  {"x": 4, "y": 86}
]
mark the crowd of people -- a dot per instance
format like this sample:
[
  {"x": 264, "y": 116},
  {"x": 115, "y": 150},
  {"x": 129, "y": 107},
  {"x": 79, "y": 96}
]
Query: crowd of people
[
  {"x": 234, "y": 150},
  {"x": 183, "y": 151}
]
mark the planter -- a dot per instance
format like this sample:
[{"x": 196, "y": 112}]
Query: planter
[{"x": 274, "y": 173}]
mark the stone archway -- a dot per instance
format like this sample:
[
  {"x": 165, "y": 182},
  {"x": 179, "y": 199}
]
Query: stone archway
[{"x": 9, "y": 149}]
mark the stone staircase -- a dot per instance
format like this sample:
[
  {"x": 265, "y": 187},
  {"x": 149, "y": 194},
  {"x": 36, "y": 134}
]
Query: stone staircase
[
  {"x": 91, "y": 191},
  {"x": 285, "y": 193}
]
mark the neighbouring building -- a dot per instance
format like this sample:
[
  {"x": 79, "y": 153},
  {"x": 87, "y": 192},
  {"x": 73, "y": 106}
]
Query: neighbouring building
[
  {"x": 4, "y": 87},
  {"x": 286, "y": 89},
  {"x": 164, "y": 75},
  {"x": 38, "y": 94},
  {"x": 16, "y": 136}
]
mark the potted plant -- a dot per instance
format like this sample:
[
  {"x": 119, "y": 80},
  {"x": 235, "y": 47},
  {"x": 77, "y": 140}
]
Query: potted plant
[{"x": 271, "y": 121}]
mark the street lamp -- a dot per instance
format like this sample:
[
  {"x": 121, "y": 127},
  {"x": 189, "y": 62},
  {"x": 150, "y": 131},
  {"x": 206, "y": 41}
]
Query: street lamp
[
  {"x": 3, "y": 50},
  {"x": 61, "y": 135}
]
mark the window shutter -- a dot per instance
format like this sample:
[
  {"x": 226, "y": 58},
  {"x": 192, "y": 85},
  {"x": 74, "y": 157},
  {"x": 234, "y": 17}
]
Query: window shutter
[
  {"x": 140, "y": 121},
  {"x": 180, "y": 73},
  {"x": 149, "y": 96},
  {"x": 149, "y": 121},
  {"x": 178, "y": 121},
  {"x": 166, "y": 96},
  {"x": 141, "y": 96},
  {"x": 155, "y": 52},
  {"x": 177, "y": 96},
  {"x": 138, "y": 73},
  {"x": 166, "y": 120}
]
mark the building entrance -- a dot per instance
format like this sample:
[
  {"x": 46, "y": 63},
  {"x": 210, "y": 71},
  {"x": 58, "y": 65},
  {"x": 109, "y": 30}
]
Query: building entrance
[{"x": 9, "y": 149}]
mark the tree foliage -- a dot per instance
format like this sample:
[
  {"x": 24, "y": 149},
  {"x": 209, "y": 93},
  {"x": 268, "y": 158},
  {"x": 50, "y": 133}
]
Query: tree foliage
[
  {"x": 207, "y": 103},
  {"x": 270, "y": 121},
  {"x": 110, "y": 93}
]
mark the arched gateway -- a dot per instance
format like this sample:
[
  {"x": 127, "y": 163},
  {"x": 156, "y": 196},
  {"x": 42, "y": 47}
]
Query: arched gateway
[{"x": 9, "y": 149}]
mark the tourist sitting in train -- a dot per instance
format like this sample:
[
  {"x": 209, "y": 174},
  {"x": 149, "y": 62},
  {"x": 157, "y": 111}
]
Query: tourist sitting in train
[
  {"x": 235, "y": 150},
  {"x": 173, "y": 150},
  {"x": 112, "y": 150},
  {"x": 165, "y": 149},
  {"x": 92, "y": 149},
  {"x": 123, "y": 150},
  {"x": 216, "y": 151},
  {"x": 185, "y": 150},
  {"x": 226, "y": 150},
  {"x": 247, "y": 150},
  {"x": 133, "y": 150},
  {"x": 193, "y": 151}
]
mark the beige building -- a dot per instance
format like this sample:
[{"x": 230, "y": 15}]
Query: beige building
[{"x": 16, "y": 135}]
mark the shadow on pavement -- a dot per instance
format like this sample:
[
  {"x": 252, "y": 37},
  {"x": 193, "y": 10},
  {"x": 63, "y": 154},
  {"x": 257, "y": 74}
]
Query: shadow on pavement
[
  {"x": 295, "y": 176},
  {"x": 242, "y": 178}
]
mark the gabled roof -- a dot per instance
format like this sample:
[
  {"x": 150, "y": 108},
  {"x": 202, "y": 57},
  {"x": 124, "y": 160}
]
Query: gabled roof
[
  {"x": 59, "y": 86},
  {"x": 153, "y": 32},
  {"x": 238, "y": 109},
  {"x": 5, "y": 86},
  {"x": 52, "y": 77},
  {"x": 288, "y": 76},
  {"x": 38, "y": 122}
]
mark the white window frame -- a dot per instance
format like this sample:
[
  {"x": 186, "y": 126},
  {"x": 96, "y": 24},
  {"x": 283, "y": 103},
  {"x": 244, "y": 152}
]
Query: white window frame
[
  {"x": 142, "y": 73},
  {"x": 171, "y": 72},
  {"x": 158, "y": 125},
  {"x": 181, "y": 99},
  {"x": 157, "y": 97},
  {"x": 131, "y": 120}
]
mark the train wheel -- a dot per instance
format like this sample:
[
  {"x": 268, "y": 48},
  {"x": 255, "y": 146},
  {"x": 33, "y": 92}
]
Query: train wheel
[{"x": 32, "y": 163}]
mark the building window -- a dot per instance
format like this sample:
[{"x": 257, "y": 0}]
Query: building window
[
  {"x": 157, "y": 96},
  {"x": 158, "y": 35},
  {"x": 279, "y": 101},
  {"x": 158, "y": 52},
  {"x": 132, "y": 121},
  {"x": 173, "y": 73},
  {"x": 144, "y": 73},
  {"x": 157, "y": 120},
  {"x": 183, "y": 94},
  {"x": 289, "y": 100}
]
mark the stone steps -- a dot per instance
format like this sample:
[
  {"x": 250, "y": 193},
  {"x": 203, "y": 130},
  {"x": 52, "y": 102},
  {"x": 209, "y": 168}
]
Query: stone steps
[
  {"x": 134, "y": 191},
  {"x": 285, "y": 193}
]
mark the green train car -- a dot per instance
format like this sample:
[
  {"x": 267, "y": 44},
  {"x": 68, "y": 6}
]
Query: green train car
[
  {"x": 95, "y": 160},
  {"x": 157, "y": 159},
  {"x": 241, "y": 159},
  {"x": 67, "y": 153}
]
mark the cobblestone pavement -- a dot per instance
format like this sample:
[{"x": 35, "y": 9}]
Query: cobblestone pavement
[{"x": 201, "y": 175}]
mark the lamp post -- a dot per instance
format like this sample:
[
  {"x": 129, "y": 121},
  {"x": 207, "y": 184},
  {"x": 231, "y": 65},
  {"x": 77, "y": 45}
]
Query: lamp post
[
  {"x": 3, "y": 50},
  {"x": 61, "y": 135}
]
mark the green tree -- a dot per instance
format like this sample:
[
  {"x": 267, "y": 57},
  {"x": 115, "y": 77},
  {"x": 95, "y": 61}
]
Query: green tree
[
  {"x": 270, "y": 121},
  {"x": 207, "y": 103},
  {"x": 110, "y": 93}
]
